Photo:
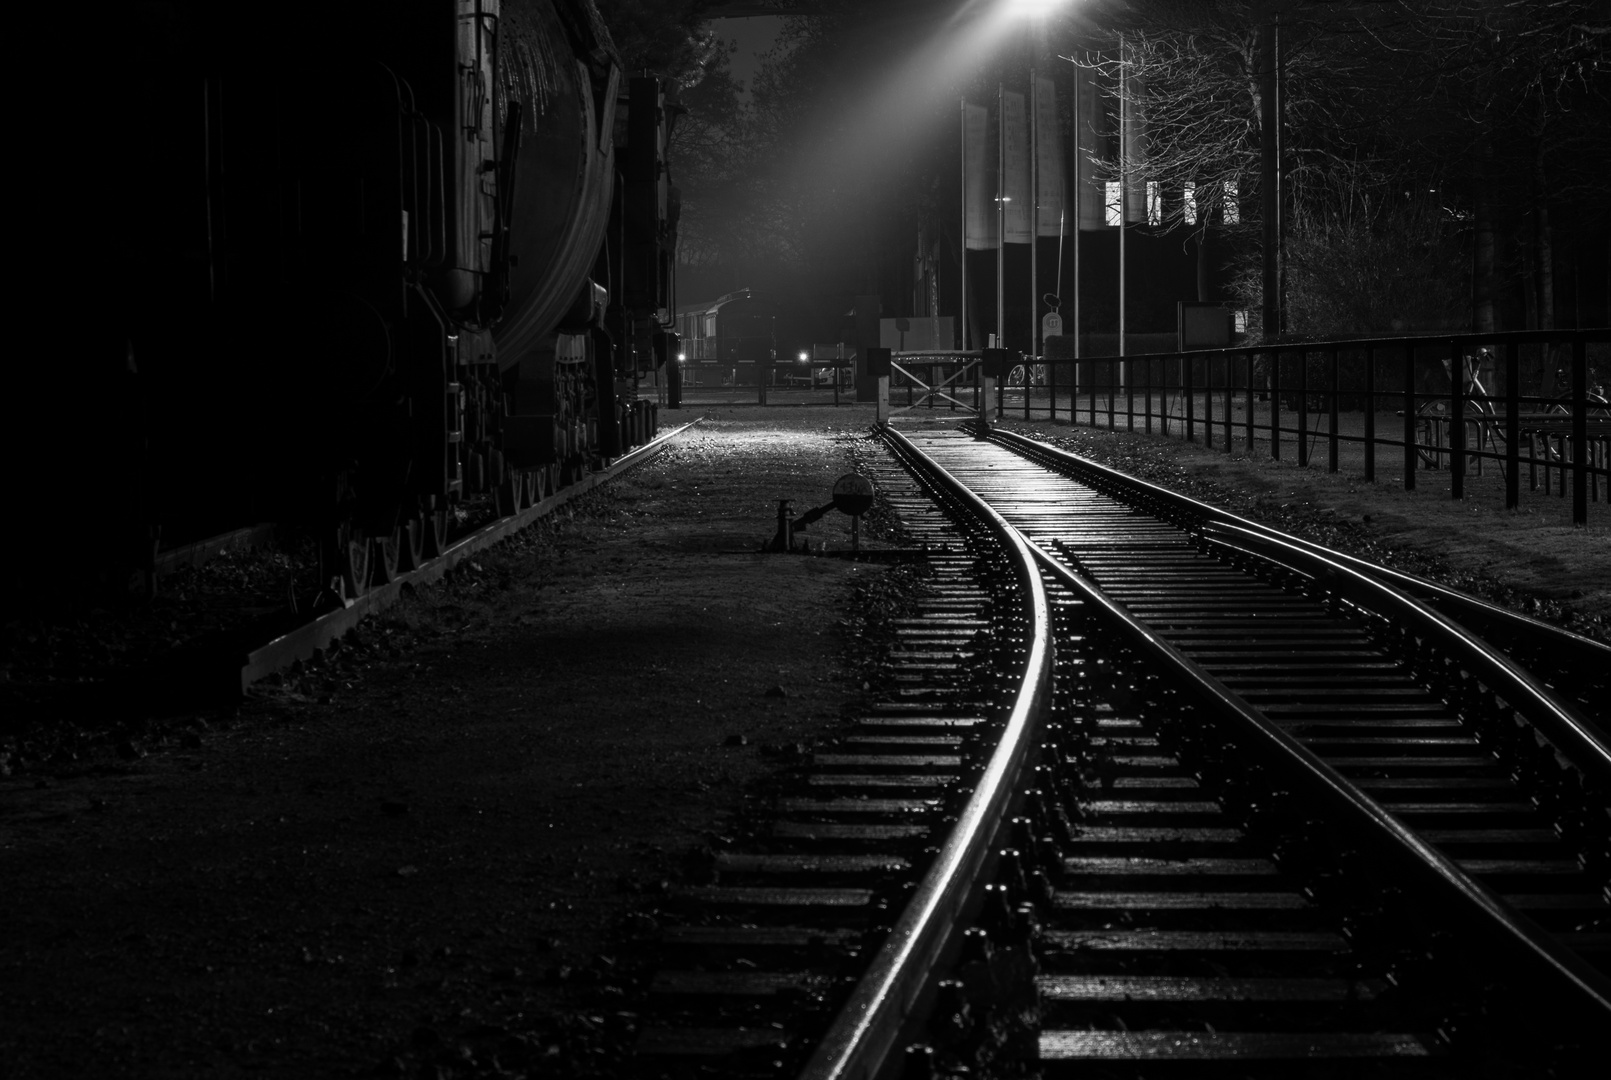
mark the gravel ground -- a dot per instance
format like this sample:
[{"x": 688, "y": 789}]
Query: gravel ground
[
  {"x": 429, "y": 854},
  {"x": 423, "y": 856}
]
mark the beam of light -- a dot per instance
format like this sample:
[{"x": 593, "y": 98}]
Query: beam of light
[{"x": 907, "y": 102}]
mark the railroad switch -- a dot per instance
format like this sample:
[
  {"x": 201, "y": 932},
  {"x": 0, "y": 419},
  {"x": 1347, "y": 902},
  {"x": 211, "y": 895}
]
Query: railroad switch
[
  {"x": 788, "y": 525},
  {"x": 852, "y": 494}
]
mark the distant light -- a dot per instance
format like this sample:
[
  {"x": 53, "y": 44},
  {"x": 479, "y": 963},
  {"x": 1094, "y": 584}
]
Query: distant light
[
  {"x": 1032, "y": 8},
  {"x": 682, "y": 356},
  {"x": 804, "y": 357}
]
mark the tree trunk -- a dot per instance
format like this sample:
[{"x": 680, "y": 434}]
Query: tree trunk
[
  {"x": 1482, "y": 266},
  {"x": 1484, "y": 269},
  {"x": 1529, "y": 254},
  {"x": 1269, "y": 193},
  {"x": 1545, "y": 260},
  {"x": 1203, "y": 269}
]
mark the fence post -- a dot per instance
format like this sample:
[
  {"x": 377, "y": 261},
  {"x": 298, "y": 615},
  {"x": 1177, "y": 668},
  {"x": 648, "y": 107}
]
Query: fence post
[
  {"x": 1303, "y": 407},
  {"x": 1208, "y": 402},
  {"x": 1336, "y": 393},
  {"x": 1189, "y": 391},
  {"x": 1091, "y": 384},
  {"x": 1152, "y": 387},
  {"x": 1370, "y": 414},
  {"x": 1248, "y": 419},
  {"x": 1163, "y": 397},
  {"x": 1051, "y": 392},
  {"x": 1409, "y": 417},
  {"x": 1275, "y": 405},
  {"x": 1229, "y": 400},
  {"x": 1128, "y": 366},
  {"x": 1113, "y": 379},
  {"x": 1512, "y": 426},
  {"x": 1457, "y": 419},
  {"x": 1580, "y": 432}
]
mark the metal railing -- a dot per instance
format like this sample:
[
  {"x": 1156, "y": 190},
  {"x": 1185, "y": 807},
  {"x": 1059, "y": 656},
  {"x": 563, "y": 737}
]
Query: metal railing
[
  {"x": 940, "y": 376},
  {"x": 1530, "y": 402}
]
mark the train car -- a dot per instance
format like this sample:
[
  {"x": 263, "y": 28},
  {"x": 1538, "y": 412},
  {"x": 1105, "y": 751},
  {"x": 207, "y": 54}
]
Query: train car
[
  {"x": 728, "y": 341},
  {"x": 354, "y": 272}
]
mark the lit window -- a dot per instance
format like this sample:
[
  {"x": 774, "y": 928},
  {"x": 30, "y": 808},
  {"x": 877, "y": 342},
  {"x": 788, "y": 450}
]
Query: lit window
[
  {"x": 1154, "y": 203},
  {"x": 1190, "y": 201},
  {"x": 1115, "y": 212},
  {"x": 1241, "y": 322},
  {"x": 1233, "y": 213}
]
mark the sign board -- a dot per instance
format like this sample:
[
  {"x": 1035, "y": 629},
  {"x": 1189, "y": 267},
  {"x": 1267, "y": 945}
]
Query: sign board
[
  {"x": 1051, "y": 325},
  {"x": 922, "y": 334},
  {"x": 853, "y": 494},
  {"x": 998, "y": 363},
  {"x": 1202, "y": 325}
]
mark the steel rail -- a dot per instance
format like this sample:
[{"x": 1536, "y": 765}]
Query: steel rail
[
  {"x": 1582, "y": 650},
  {"x": 858, "y": 1042},
  {"x": 1579, "y": 738},
  {"x": 305, "y": 640},
  {"x": 1572, "y": 735},
  {"x": 1388, "y": 836}
]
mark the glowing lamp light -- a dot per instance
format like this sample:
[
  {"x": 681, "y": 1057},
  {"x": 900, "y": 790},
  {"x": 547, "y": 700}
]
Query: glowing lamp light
[
  {"x": 804, "y": 357},
  {"x": 682, "y": 356},
  {"x": 1031, "y": 8}
]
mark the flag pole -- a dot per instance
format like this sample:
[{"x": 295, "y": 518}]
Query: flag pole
[
  {"x": 964, "y": 255},
  {"x": 1124, "y": 185},
  {"x": 1001, "y": 217},
  {"x": 1034, "y": 222},
  {"x": 1075, "y": 175}
]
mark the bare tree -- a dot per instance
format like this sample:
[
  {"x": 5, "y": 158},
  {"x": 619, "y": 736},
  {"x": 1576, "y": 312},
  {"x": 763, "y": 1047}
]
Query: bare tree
[{"x": 1477, "y": 107}]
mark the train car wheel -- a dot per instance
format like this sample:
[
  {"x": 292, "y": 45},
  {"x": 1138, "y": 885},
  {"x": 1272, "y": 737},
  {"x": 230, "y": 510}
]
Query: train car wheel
[
  {"x": 411, "y": 555},
  {"x": 436, "y": 532},
  {"x": 510, "y": 490},
  {"x": 355, "y": 562},
  {"x": 388, "y": 555}
]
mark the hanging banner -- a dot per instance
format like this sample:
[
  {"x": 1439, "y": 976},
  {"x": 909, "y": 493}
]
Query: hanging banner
[
  {"x": 1048, "y": 160},
  {"x": 1135, "y": 152},
  {"x": 1088, "y": 185},
  {"x": 979, "y": 178},
  {"x": 1015, "y": 162}
]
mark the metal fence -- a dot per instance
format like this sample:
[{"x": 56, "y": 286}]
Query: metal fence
[
  {"x": 1530, "y": 404},
  {"x": 816, "y": 382}
]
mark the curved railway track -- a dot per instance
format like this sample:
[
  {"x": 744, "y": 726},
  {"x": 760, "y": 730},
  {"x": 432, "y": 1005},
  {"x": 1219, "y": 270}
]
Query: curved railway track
[
  {"x": 810, "y": 942},
  {"x": 1266, "y": 818},
  {"x": 1292, "y": 781}
]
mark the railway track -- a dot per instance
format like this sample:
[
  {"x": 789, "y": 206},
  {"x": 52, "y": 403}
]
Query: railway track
[
  {"x": 1571, "y": 666},
  {"x": 1305, "y": 803},
  {"x": 810, "y": 940},
  {"x": 1268, "y": 818}
]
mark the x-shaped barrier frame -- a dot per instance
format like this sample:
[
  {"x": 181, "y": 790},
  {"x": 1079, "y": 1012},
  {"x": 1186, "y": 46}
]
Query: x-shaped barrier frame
[{"x": 938, "y": 390}]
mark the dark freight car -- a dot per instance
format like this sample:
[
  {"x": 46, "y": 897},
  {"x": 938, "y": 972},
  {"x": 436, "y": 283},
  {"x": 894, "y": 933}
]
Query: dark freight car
[{"x": 347, "y": 274}]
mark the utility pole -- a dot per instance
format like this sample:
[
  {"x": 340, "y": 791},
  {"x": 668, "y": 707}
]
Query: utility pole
[{"x": 1270, "y": 174}]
